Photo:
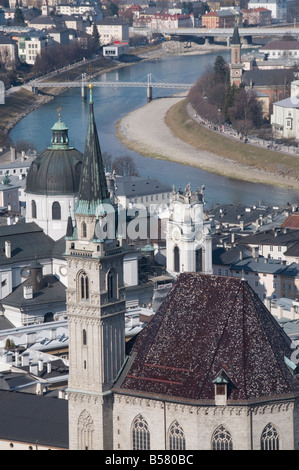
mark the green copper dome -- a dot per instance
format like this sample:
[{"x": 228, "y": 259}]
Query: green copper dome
[{"x": 56, "y": 171}]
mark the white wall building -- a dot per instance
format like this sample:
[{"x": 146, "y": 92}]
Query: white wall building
[{"x": 285, "y": 117}]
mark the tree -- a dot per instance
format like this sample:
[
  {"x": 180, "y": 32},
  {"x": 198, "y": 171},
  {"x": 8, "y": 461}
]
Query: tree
[
  {"x": 18, "y": 18},
  {"x": 124, "y": 166},
  {"x": 95, "y": 37},
  {"x": 221, "y": 70}
]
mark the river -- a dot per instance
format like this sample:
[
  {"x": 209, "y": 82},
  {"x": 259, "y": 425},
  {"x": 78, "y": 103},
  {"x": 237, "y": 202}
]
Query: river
[{"x": 112, "y": 104}]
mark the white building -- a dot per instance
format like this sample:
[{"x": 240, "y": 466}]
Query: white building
[
  {"x": 111, "y": 30},
  {"x": 285, "y": 117},
  {"x": 278, "y": 8}
]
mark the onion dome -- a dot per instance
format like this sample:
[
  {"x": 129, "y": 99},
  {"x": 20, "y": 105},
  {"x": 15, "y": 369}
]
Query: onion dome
[{"x": 56, "y": 171}]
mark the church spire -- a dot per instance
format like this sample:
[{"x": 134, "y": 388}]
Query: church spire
[
  {"x": 236, "y": 36},
  {"x": 93, "y": 185}
]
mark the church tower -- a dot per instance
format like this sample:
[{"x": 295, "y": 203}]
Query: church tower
[
  {"x": 236, "y": 67},
  {"x": 95, "y": 304},
  {"x": 188, "y": 235}
]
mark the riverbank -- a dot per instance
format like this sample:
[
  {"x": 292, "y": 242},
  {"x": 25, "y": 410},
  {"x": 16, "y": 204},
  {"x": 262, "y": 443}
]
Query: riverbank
[
  {"x": 20, "y": 101},
  {"x": 146, "y": 132}
]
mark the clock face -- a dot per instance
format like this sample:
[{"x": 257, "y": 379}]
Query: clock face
[{"x": 63, "y": 270}]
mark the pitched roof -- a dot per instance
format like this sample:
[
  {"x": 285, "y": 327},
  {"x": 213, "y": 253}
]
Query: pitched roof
[
  {"x": 267, "y": 78},
  {"x": 209, "y": 323},
  {"x": 281, "y": 45},
  {"x": 34, "y": 419},
  {"x": 28, "y": 241},
  {"x": 52, "y": 291},
  {"x": 292, "y": 221}
]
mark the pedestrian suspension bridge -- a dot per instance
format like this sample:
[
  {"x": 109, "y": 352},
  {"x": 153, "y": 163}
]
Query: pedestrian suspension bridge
[{"x": 149, "y": 82}]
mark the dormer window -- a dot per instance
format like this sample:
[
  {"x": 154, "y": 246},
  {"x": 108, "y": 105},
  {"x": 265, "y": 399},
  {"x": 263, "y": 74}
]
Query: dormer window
[{"x": 221, "y": 383}]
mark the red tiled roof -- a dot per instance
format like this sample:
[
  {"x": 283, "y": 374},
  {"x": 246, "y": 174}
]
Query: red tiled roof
[
  {"x": 291, "y": 222},
  {"x": 208, "y": 324}
]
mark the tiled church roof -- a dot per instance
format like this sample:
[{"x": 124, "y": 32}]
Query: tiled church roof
[{"x": 206, "y": 325}]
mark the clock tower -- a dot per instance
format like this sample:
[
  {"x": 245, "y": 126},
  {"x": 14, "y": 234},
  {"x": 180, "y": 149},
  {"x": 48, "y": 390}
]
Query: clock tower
[
  {"x": 236, "y": 67},
  {"x": 188, "y": 235},
  {"x": 95, "y": 304}
]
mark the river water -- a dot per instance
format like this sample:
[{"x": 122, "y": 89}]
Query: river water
[{"x": 111, "y": 104}]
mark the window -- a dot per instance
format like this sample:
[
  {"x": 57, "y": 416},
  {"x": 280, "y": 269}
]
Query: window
[
  {"x": 221, "y": 439},
  {"x": 33, "y": 209},
  {"x": 198, "y": 261},
  {"x": 84, "y": 337},
  {"x": 112, "y": 284},
  {"x": 176, "y": 437},
  {"x": 269, "y": 438},
  {"x": 176, "y": 256},
  {"x": 83, "y": 287},
  {"x": 84, "y": 230},
  {"x": 56, "y": 211},
  {"x": 85, "y": 431},
  {"x": 140, "y": 434}
]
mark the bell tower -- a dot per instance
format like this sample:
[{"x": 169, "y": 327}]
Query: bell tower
[
  {"x": 236, "y": 67},
  {"x": 188, "y": 234},
  {"x": 95, "y": 304}
]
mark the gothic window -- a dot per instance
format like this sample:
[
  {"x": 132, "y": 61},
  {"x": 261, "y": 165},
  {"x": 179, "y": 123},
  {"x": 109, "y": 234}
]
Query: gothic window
[
  {"x": 112, "y": 284},
  {"x": 140, "y": 434},
  {"x": 176, "y": 437},
  {"x": 84, "y": 337},
  {"x": 85, "y": 431},
  {"x": 176, "y": 255},
  {"x": 83, "y": 286},
  {"x": 56, "y": 211},
  {"x": 198, "y": 260},
  {"x": 84, "y": 230},
  {"x": 33, "y": 209},
  {"x": 270, "y": 438},
  {"x": 222, "y": 439},
  {"x": 48, "y": 317}
]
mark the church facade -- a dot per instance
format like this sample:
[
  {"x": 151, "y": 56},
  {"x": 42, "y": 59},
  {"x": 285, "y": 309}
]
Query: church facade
[{"x": 211, "y": 370}]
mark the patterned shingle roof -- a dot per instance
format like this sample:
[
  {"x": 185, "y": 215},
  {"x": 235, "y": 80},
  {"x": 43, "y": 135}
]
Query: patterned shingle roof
[{"x": 208, "y": 324}]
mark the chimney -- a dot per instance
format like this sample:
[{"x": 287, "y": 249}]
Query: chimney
[
  {"x": 12, "y": 154},
  {"x": 33, "y": 368},
  {"x": 23, "y": 156},
  {"x": 8, "y": 249},
  {"x": 40, "y": 365},
  {"x": 49, "y": 367},
  {"x": 28, "y": 292},
  {"x": 25, "y": 360},
  {"x": 53, "y": 333}
]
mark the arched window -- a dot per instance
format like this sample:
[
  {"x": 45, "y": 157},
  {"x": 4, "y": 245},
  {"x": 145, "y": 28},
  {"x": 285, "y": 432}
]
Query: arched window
[
  {"x": 83, "y": 286},
  {"x": 84, "y": 337},
  {"x": 198, "y": 260},
  {"x": 84, "y": 230},
  {"x": 85, "y": 431},
  {"x": 33, "y": 210},
  {"x": 140, "y": 434},
  {"x": 112, "y": 284},
  {"x": 270, "y": 438},
  {"x": 56, "y": 211},
  {"x": 48, "y": 317},
  {"x": 176, "y": 437},
  {"x": 222, "y": 439},
  {"x": 176, "y": 259}
]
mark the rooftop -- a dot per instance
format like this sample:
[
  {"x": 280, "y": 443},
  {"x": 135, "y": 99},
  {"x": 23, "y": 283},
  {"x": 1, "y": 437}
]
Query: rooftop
[{"x": 207, "y": 324}]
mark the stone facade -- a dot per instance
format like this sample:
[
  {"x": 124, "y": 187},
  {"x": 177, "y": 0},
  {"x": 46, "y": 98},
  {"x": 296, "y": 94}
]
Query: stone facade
[{"x": 245, "y": 424}]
